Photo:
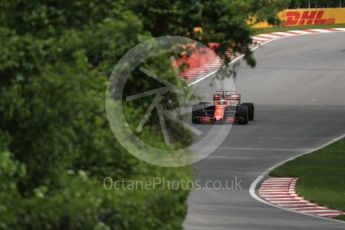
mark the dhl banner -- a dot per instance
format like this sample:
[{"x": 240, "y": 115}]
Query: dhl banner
[{"x": 300, "y": 17}]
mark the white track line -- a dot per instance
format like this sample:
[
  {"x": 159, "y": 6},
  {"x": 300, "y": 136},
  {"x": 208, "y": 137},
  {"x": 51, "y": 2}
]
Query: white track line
[
  {"x": 267, "y": 36},
  {"x": 300, "y": 32},
  {"x": 321, "y": 30},
  {"x": 285, "y": 34}
]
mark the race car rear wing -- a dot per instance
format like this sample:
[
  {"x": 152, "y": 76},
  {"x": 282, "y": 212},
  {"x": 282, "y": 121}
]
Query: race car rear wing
[{"x": 227, "y": 95}]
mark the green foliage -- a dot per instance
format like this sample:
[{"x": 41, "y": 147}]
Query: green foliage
[
  {"x": 82, "y": 203},
  {"x": 56, "y": 146},
  {"x": 222, "y": 21},
  {"x": 294, "y": 4},
  {"x": 341, "y": 217},
  {"x": 160, "y": 65}
]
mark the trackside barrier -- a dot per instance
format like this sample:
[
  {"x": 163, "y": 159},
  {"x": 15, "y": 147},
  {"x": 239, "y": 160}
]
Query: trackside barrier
[{"x": 301, "y": 17}]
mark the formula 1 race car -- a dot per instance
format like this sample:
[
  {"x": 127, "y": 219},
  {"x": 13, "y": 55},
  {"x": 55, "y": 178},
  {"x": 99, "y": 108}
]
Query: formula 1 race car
[{"x": 225, "y": 108}]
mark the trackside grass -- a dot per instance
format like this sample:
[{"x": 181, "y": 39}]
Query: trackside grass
[
  {"x": 321, "y": 176},
  {"x": 341, "y": 217},
  {"x": 287, "y": 28}
]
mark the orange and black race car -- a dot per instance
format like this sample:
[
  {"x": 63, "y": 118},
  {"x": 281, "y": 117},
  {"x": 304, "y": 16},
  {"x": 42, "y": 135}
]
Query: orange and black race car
[{"x": 225, "y": 108}]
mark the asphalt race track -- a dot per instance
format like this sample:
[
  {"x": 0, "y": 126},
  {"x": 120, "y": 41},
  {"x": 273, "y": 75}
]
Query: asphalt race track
[{"x": 298, "y": 88}]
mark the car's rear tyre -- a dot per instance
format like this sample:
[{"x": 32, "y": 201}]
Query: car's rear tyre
[
  {"x": 242, "y": 114},
  {"x": 251, "y": 111},
  {"x": 196, "y": 111}
]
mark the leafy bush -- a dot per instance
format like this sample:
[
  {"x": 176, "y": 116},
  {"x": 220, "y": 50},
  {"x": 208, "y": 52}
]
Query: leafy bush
[{"x": 56, "y": 145}]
